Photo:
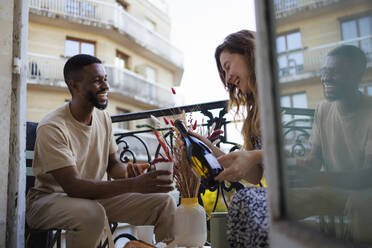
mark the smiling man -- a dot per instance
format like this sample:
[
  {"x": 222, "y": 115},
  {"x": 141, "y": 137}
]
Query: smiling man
[
  {"x": 337, "y": 173},
  {"x": 341, "y": 135},
  {"x": 73, "y": 150}
]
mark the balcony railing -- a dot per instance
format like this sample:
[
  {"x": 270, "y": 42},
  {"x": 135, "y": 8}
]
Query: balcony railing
[
  {"x": 108, "y": 15},
  {"x": 135, "y": 86},
  {"x": 132, "y": 143},
  {"x": 135, "y": 146},
  {"x": 48, "y": 70},
  {"x": 285, "y": 8},
  {"x": 313, "y": 58},
  {"x": 296, "y": 123}
]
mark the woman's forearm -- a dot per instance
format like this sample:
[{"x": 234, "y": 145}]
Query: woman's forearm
[
  {"x": 216, "y": 151},
  {"x": 254, "y": 173}
]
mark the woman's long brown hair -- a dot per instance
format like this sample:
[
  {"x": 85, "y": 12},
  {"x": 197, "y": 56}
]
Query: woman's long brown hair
[{"x": 242, "y": 42}]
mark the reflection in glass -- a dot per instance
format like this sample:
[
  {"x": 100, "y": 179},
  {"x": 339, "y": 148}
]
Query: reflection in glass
[
  {"x": 369, "y": 90},
  {"x": 359, "y": 29},
  {"x": 324, "y": 66},
  {"x": 280, "y": 44},
  {"x": 294, "y": 41},
  {"x": 290, "y": 59},
  {"x": 300, "y": 100}
]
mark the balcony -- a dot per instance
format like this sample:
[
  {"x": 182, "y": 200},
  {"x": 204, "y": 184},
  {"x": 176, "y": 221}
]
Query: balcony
[
  {"x": 306, "y": 63},
  {"x": 112, "y": 21},
  {"x": 285, "y": 8},
  {"x": 48, "y": 70},
  {"x": 288, "y": 11}
]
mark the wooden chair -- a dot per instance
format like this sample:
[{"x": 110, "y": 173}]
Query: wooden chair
[{"x": 37, "y": 238}]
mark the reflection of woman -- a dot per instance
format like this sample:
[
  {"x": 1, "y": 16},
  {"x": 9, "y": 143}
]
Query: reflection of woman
[{"x": 247, "y": 218}]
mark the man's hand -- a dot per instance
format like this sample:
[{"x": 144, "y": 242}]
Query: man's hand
[
  {"x": 134, "y": 170},
  {"x": 150, "y": 182},
  {"x": 118, "y": 170},
  {"x": 241, "y": 165},
  {"x": 75, "y": 186}
]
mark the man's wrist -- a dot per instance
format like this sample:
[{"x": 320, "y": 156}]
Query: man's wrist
[{"x": 128, "y": 184}]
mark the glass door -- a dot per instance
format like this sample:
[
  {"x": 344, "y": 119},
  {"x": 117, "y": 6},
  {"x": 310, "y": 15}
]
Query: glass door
[{"x": 316, "y": 123}]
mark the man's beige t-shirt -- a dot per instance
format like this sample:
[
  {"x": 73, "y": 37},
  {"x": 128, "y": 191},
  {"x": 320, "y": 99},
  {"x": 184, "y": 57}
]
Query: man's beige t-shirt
[
  {"x": 62, "y": 141},
  {"x": 344, "y": 140}
]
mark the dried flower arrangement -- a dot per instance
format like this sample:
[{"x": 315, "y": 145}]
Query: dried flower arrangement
[{"x": 187, "y": 182}]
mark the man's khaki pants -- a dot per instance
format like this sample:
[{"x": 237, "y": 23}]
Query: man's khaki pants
[
  {"x": 84, "y": 219},
  {"x": 355, "y": 205}
]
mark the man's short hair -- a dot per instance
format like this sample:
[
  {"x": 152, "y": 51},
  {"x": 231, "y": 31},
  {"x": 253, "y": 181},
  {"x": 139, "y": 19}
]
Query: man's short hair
[
  {"x": 356, "y": 56},
  {"x": 75, "y": 64}
]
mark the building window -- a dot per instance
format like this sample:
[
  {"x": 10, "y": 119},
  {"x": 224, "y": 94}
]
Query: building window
[
  {"x": 290, "y": 54},
  {"x": 297, "y": 100},
  {"x": 124, "y": 124},
  {"x": 81, "y": 8},
  {"x": 75, "y": 46},
  {"x": 150, "y": 73},
  {"x": 356, "y": 28},
  {"x": 149, "y": 24},
  {"x": 366, "y": 89},
  {"x": 121, "y": 60}
]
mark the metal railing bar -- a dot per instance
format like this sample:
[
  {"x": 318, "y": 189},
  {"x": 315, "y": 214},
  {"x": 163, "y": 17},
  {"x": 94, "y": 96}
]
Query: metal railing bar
[
  {"x": 298, "y": 111},
  {"x": 169, "y": 111},
  {"x": 160, "y": 129},
  {"x": 194, "y": 108}
]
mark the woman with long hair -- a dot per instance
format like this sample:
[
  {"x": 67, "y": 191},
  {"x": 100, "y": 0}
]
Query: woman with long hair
[{"x": 247, "y": 222}]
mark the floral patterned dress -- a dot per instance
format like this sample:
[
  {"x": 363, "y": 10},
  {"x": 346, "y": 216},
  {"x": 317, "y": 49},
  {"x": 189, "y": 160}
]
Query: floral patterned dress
[{"x": 248, "y": 220}]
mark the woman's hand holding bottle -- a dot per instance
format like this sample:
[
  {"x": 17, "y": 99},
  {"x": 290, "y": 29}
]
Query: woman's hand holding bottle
[
  {"x": 241, "y": 165},
  {"x": 199, "y": 156}
]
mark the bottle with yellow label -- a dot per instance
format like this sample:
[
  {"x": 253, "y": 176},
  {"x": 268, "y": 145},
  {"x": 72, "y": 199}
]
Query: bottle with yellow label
[{"x": 200, "y": 157}]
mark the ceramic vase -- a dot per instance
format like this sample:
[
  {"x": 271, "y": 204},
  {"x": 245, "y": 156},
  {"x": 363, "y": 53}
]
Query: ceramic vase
[{"x": 191, "y": 224}]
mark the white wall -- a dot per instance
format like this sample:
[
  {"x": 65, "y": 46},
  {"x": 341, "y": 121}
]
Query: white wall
[
  {"x": 13, "y": 44},
  {"x": 6, "y": 48}
]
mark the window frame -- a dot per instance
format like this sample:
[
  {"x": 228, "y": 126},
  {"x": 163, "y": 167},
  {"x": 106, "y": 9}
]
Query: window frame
[
  {"x": 81, "y": 41},
  {"x": 286, "y": 52},
  {"x": 286, "y": 33},
  {"x": 125, "y": 57},
  {"x": 291, "y": 97},
  {"x": 365, "y": 87},
  {"x": 354, "y": 17},
  {"x": 283, "y": 232}
]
